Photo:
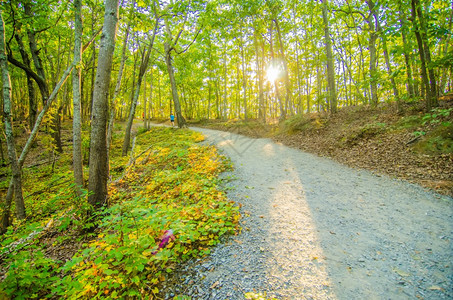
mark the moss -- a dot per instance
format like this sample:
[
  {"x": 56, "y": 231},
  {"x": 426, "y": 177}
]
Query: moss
[
  {"x": 409, "y": 122},
  {"x": 364, "y": 132},
  {"x": 303, "y": 122},
  {"x": 438, "y": 141}
]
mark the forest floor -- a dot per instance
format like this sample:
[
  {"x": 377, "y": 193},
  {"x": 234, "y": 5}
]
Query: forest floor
[{"x": 414, "y": 146}]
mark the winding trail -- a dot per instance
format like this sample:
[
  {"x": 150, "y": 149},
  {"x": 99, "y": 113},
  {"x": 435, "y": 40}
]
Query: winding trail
[{"x": 315, "y": 229}]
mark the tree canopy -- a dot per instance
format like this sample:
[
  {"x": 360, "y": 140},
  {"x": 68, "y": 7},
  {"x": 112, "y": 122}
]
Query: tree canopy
[{"x": 220, "y": 59}]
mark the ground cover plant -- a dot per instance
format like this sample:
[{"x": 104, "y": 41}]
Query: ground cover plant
[{"x": 164, "y": 207}]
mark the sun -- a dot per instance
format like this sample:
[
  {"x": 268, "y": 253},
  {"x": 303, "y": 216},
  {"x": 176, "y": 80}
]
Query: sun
[{"x": 273, "y": 72}]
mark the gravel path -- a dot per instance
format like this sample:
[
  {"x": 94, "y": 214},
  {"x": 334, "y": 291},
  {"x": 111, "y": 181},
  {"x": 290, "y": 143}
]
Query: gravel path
[{"x": 315, "y": 229}]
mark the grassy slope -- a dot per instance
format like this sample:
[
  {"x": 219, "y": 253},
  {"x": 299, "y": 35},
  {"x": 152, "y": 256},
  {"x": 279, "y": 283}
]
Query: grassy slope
[
  {"x": 173, "y": 186},
  {"x": 416, "y": 146}
]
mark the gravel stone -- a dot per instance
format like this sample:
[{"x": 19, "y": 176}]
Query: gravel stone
[{"x": 315, "y": 229}]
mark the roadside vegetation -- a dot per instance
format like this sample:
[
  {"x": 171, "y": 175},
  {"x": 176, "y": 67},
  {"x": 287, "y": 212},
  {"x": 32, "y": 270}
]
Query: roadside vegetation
[{"x": 164, "y": 207}]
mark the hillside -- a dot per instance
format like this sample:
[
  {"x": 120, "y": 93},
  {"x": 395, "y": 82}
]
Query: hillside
[{"x": 415, "y": 146}]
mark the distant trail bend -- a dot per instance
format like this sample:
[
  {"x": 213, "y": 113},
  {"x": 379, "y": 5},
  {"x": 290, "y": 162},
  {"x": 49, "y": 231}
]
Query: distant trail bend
[{"x": 315, "y": 229}]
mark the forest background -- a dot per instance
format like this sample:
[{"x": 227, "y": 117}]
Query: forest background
[{"x": 95, "y": 63}]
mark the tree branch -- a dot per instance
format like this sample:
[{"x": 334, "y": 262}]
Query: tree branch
[{"x": 193, "y": 41}]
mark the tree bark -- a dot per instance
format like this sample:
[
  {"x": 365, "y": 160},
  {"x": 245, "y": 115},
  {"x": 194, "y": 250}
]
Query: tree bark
[
  {"x": 76, "y": 96},
  {"x": 260, "y": 69},
  {"x": 35, "y": 55},
  {"x": 332, "y": 93},
  {"x": 424, "y": 35},
  {"x": 285, "y": 69},
  {"x": 141, "y": 73},
  {"x": 244, "y": 79},
  {"x": 118, "y": 83},
  {"x": 407, "y": 57},
  {"x": 32, "y": 104},
  {"x": 98, "y": 177},
  {"x": 443, "y": 78},
  {"x": 174, "y": 90},
  {"x": 373, "y": 61},
  {"x": 277, "y": 91},
  {"x": 7, "y": 119},
  {"x": 421, "y": 52},
  {"x": 374, "y": 10}
]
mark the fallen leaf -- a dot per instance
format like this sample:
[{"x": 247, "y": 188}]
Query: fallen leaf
[
  {"x": 401, "y": 272},
  {"x": 435, "y": 288}
]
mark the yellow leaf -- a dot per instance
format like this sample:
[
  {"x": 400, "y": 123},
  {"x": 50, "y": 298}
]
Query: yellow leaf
[{"x": 401, "y": 273}]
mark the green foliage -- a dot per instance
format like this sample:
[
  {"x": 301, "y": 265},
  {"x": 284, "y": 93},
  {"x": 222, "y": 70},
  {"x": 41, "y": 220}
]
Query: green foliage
[
  {"x": 172, "y": 186},
  {"x": 436, "y": 115},
  {"x": 30, "y": 274},
  {"x": 408, "y": 122},
  {"x": 437, "y": 141}
]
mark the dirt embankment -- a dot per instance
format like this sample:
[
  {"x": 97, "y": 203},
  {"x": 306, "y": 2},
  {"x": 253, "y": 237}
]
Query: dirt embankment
[{"x": 415, "y": 146}]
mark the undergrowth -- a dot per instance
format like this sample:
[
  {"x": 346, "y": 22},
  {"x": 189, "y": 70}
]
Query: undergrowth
[{"x": 164, "y": 208}]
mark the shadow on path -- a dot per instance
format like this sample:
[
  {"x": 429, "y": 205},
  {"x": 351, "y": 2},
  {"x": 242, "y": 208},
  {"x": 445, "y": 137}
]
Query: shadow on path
[{"x": 315, "y": 229}]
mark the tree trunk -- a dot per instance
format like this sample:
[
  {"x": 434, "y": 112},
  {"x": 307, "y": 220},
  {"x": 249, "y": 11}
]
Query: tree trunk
[
  {"x": 443, "y": 79},
  {"x": 118, "y": 84},
  {"x": 93, "y": 68},
  {"x": 32, "y": 104},
  {"x": 427, "y": 53},
  {"x": 32, "y": 137},
  {"x": 332, "y": 94},
  {"x": 421, "y": 52},
  {"x": 142, "y": 71},
  {"x": 285, "y": 68},
  {"x": 35, "y": 55},
  {"x": 407, "y": 57},
  {"x": 374, "y": 10},
  {"x": 97, "y": 182},
  {"x": 373, "y": 61},
  {"x": 244, "y": 79},
  {"x": 7, "y": 119},
  {"x": 145, "y": 104},
  {"x": 277, "y": 91},
  {"x": 174, "y": 90},
  {"x": 260, "y": 70},
  {"x": 76, "y": 97}
]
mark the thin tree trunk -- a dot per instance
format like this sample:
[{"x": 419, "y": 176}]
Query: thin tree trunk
[
  {"x": 277, "y": 91},
  {"x": 142, "y": 71},
  {"x": 443, "y": 78},
  {"x": 7, "y": 119},
  {"x": 330, "y": 66},
  {"x": 407, "y": 57},
  {"x": 427, "y": 53},
  {"x": 421, "y": 51},
  {"x": 118, "y": 84},
  {"x": 35, "y": 55},
  {"x": 374, "y": 10},
  {"x": 285, "y": 69},
  {"x": 174, "y": 90},
  {"x": 32, "y": 104},
  {"x": 260, "y": 70},
  {"x": 76, "y": 97},
  {"x": 244, "y": 79},
  {"x": 145, "y": 104}
]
